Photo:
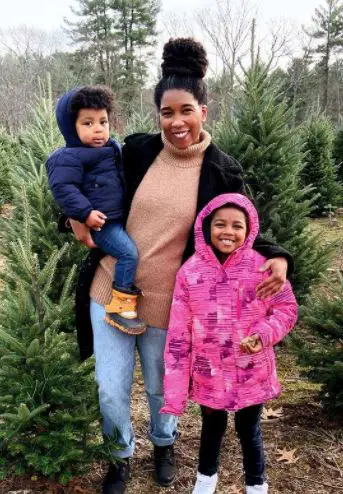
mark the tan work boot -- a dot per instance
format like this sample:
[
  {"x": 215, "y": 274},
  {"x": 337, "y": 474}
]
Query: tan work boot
[{"x": 121, "y": 312}]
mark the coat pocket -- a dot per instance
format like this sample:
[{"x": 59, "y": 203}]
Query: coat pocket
[{"x": 253, "y": 368}]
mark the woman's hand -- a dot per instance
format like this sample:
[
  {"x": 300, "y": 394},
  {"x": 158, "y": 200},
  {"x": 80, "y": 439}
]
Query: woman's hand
[
  {"x": 82, "y": 233},
  {"x": 275, "y": 282},
  {"x": 251, "y": 344}
]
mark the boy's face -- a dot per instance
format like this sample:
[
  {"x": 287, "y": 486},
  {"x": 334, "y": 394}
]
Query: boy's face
[
  {"x": 228, "y": 230},
  {"x": 92, "y": 127}
]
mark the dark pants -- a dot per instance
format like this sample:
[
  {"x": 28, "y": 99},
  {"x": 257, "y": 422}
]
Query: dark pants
[
  {"x": 247, "y": 424},
  {"x": 113, "y": 240}
]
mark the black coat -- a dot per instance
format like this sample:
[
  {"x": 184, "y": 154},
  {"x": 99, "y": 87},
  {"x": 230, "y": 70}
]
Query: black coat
[{"x": 219, "y": 174}]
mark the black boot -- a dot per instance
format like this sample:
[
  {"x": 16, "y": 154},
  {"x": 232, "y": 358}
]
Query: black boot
[
  {"x": 116, "y": 478},
  {"x": 165, "y": 466}
]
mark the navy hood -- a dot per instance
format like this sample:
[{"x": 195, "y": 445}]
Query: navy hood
[{"x": 66, "y": 119}]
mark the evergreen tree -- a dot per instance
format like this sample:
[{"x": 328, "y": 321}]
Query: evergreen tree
[
  {"x": 300, "y": 86},
  {"x": 322, "y": 356},
  {"x": 116, "y": 35},
  {"x": 328, "y": 30},
  {"x": 49, "y": 420},
  {"x": 94, "y": 33},
  {"x": 140, "y": 120},
  {"x": 38, "y": 140},
  {"x": 135, "y": 31},
  {"x": 271, "y": 154},
  {"x": 337, "y": 153},
  {"x": 320, "y": 170},
  {"x": 49, "y": 415},
  {"x": 9, "y": 153}
]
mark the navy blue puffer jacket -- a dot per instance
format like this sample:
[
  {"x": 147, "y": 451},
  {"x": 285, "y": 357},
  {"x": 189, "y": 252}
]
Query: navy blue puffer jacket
[{"x": 83, "y": 178}]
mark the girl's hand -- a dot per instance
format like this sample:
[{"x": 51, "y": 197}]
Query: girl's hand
[
  {"x": 82, "y": 233},
  {"x": 251, "y": 344},
  {"x": 275, "y": 282}
]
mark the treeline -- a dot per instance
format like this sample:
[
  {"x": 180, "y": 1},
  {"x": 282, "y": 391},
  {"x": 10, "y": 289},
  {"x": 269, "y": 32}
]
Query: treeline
[{"x": 113, "y": 42}]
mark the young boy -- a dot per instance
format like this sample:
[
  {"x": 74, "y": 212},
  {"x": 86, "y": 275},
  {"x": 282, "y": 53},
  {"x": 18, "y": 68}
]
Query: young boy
[{"x": 87, "y": 180}]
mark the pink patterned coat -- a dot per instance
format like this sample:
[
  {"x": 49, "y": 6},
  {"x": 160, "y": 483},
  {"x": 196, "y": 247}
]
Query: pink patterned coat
[{"x": 214, "y": 308}]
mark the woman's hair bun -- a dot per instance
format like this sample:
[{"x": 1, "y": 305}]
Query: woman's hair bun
[{"x": 184, "y": 57}]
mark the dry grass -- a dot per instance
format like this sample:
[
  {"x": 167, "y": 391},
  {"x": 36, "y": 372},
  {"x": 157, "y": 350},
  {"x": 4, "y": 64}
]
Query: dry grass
[{"x": 317, "y": 438}]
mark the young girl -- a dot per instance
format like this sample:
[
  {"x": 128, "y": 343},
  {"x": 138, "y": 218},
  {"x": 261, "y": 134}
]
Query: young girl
[{"x": 219, "y": 349}]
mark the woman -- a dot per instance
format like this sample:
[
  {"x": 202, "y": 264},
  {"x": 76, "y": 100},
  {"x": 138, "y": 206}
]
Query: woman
[{"x": 170, "y": 177}]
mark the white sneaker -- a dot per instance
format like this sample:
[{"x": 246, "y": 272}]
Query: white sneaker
[
  {"x": 257, "y": 489},
  {"x": 205, "y": 484}
]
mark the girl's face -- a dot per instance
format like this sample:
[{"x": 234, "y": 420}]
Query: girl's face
[
  {"x": 181, "y": 118},
  {"x": 228, "y": 230}
]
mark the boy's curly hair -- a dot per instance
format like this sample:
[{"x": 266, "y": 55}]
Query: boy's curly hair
[{"x": 94, "y": 97}]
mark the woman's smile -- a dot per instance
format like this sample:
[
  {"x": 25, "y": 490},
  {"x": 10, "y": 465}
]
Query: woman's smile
[{"x": 181, "y": 118}]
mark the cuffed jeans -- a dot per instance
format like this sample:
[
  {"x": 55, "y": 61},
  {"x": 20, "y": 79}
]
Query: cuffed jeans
[
  {"x": 247, "y": 424},
  {"x": 114, "y": 367},
  {"x": 113, "y": 240}
]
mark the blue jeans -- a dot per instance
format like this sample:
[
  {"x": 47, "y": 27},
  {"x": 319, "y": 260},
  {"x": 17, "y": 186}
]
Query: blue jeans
[
  {"x": 114, "y": 240},
  {"x": 114, "y": 366}
]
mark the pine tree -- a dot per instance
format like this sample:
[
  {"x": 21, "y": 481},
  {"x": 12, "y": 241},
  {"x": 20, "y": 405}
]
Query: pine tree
[
  {"x": 49, "y": 414},
  {"x": 135, "y": 32},
  {"x": 320, "y": 170},
  {"x": 337, "y": 153},
  {"x": 140, "y": 120},
  {"x": 328, "y": 30},
  {"x": 93, "y": 32},
  {"x": 271, "y": 154},
  {"x": 9, "y": 155},
  {"x": 38, "y": 140},
  {"x": 49, "y": 418},
  {"x": 116, "y": 35},
  {"x": 322, "y": 357}
]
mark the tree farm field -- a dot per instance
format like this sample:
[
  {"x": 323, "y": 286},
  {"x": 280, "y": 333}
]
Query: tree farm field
[{"x": 303, "y": 445}]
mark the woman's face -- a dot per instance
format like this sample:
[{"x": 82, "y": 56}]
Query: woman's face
[{"x": 181, "y": 118}]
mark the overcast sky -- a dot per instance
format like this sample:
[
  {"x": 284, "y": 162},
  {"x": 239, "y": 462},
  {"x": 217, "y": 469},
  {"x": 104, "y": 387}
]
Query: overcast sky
[{"x": 48, "y": 14}]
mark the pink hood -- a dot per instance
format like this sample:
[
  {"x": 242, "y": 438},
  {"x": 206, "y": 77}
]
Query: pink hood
[
  {"x": 205, "y": 250},
  {"x": 214, "y": 308}
]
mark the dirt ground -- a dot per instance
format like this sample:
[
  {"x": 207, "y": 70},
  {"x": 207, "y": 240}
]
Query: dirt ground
[{"x": 315, "y": 466}]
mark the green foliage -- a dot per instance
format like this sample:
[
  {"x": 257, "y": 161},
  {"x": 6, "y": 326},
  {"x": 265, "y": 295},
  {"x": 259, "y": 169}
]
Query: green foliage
[
  {"x": 328, "y": 31},
  {"x": 337, "y": 153},
  {"x": 320, "y": 170},
  {"x": 116, "y": 36},
  {"x": 49, "y": 418},
  {"x": 140, "y": 121},
  {"x": 30, "y": 192},
  {"x": 271, "y": 154},
  {"x": 9, "y": 156},
  {"x": 49, "y": 415},
  {"x": 322, "y": 354}
]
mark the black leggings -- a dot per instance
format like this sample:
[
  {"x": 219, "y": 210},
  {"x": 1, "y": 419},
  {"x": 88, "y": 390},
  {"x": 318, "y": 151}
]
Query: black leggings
[{"x": 247, "y": 424}]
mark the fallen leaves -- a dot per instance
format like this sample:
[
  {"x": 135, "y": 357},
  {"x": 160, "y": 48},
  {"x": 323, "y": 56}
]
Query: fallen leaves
[
  {"x": 287, "y": 456},
  {"x": 233, "y": 489},
  {"x": 271, "y": 414}
]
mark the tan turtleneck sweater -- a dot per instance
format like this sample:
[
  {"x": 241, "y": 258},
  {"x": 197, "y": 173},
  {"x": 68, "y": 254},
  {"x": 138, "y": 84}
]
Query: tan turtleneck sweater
[{"x": 161, "y": 216}]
